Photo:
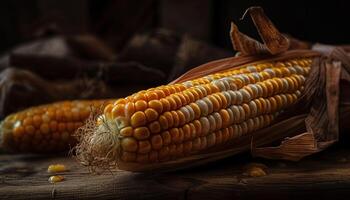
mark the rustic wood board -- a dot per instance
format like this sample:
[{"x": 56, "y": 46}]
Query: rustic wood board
[{"x": 323, "y": 176}]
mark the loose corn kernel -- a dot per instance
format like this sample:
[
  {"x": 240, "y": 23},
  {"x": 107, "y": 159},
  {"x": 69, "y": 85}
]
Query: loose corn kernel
[
  {"x": 56, "y": 168},
  {"x": 255, "y": 171},
  {"x": 56, "y": 179}
]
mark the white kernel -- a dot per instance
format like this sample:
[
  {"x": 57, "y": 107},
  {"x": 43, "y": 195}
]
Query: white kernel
[
  {"x": 236, "y": 113},
  {"x": 239, "y": 97},
  {"x": 256, "y": 76},
  {"x": 285, "y": 100},
  {"x": 226, "y": 82},
  {"x": 186, "y": 113},
  {"x": 292, "y": 70},
  {"x": 253, "y": 108},
  {"x": 242, "y": 113},
  {"x": 245, "y": 78},
  {"x": 245, "y": 94},
  {"x": 205, "y": 125},
  {"x": 203, "y": 107},
  {"x": 212, "y": 123},
  {"x": 299, "y": 69},
  {"x": 260, "y": 90},
  {"x": 191, "y": 111},
  {"x": 270, "y": 72},
  {"x": 228, "y": 97},
  {"x": 209, "y": 78},
  {"x": 230, "y": 112},
  {"x": 219, "y": 84},
  {"x": 255, "y": 90},
  {"x": 285, "y": 85},
  {"x": 232, "y": 84},
  {"x": 233, "y": 96},
  {"x": 251, "y": 68},
  {"x": 187, "y": 84},
  {"x": 55, "y": 179},
  {"x": 202, "y": 89},
  {"x": 209, "y": 104},
  {"x": 218, "y": 120},
  {"x": 121, "y": 122}
]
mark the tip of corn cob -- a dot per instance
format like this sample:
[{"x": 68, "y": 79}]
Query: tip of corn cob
[
  {"x": 99, "y": 142},
  {"x": 6, "y": 133}
]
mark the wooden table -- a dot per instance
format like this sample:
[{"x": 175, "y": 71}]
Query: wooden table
[{"x": 323, "y": 176}]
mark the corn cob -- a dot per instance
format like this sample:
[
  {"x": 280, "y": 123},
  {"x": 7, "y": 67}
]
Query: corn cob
[
  {"x": 177, "y": 120},
  {"x": 46, "y": 128}
]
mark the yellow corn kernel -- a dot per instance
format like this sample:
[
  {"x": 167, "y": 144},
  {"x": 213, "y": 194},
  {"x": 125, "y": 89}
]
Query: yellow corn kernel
[
  {"x": 56, "y": 168},
  {"x": 56, "y": 179}
]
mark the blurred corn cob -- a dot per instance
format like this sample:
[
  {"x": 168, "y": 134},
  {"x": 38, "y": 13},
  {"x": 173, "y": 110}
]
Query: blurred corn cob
[
  {"x": 46, "y": 128},
  {"x": 178, "y": 120}
]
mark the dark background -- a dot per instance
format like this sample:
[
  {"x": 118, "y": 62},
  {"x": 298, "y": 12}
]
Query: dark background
[
  {"x": 208, "y": 20},
  {"x": 93, "y": 49}
]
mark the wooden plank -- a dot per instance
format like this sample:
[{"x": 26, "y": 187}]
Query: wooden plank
[{"x": 323, "y": 176}]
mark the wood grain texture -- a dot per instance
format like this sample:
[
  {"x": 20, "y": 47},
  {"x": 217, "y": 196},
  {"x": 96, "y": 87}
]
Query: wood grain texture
[{"x": 323, "y": 176}]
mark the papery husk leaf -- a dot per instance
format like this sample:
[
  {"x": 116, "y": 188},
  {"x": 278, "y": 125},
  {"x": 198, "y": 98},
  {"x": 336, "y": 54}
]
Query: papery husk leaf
[
  {"x": 322, "y": 122},
  {"x": 245, "y": 44},
  {"x": 274, "y": 42}
]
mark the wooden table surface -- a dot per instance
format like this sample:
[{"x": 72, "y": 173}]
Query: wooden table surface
[{"x": 322, "y": 176}]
